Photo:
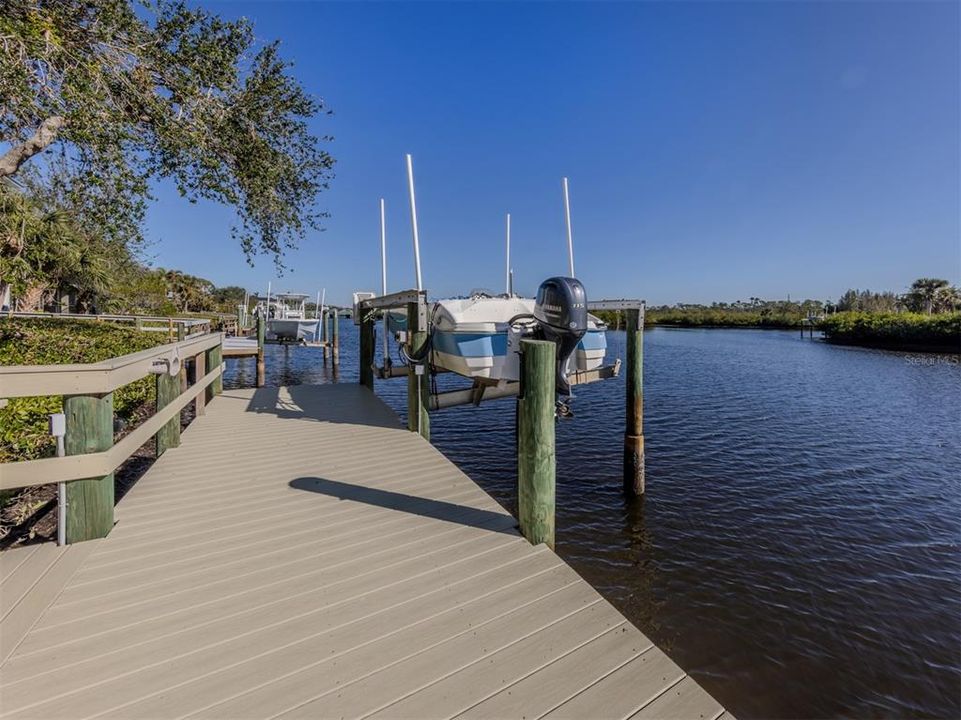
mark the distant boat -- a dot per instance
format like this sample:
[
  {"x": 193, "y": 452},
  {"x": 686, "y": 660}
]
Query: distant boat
[{"x": 287, "y": 319}]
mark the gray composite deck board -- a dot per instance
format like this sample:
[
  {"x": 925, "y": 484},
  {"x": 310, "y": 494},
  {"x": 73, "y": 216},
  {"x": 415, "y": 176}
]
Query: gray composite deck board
[{"x": 301, "y": 554}]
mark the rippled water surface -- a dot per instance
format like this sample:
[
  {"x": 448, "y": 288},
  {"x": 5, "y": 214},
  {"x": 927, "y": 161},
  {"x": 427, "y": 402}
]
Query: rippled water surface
[{"x": 798, "y": 547}]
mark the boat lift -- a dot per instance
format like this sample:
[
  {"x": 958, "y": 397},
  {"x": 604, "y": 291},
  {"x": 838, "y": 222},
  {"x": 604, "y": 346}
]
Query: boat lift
[{"x": 369, "y": 307}]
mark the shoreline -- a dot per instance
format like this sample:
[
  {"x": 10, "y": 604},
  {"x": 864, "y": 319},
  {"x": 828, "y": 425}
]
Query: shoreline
[{"x": 927, "y": 348}]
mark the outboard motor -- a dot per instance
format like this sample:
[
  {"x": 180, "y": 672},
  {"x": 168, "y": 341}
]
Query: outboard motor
[{"x": 561, "y": 311}]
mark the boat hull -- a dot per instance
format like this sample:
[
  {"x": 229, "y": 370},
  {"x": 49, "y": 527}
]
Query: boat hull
[
  {"x": 475, "y": 355},
  {"x": 293, "y": 330}
]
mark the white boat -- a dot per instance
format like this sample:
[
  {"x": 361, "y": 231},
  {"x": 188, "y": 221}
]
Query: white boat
[
  {"x": 479, "y": 337},
  {"x": 287, "y": 319}
]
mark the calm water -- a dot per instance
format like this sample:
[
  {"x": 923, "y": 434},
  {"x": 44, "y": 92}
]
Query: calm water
[{"x": 798, "y": 547}]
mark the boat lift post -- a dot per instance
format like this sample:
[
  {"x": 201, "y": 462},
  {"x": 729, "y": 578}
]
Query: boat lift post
[
  {"x": 367, "y": 311},
  {"x": 507, "y": 271},
  {"x": 634, "y": 470},
  {"x": 570, "y": 235},
  {"x": 335, "y": 338},
  {"x": 383, "y": 279}
]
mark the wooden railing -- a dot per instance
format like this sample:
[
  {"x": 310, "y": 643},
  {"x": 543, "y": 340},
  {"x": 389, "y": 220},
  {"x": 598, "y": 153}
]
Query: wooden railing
[
  {"x": 177, "y": 328},
  {"x": 89, "y": 454}
]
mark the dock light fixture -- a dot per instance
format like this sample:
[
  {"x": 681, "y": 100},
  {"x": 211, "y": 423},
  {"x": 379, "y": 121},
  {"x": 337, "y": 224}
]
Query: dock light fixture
[
  {"x": 58, "y": 429},
  {"x": 169, "y": 365}
]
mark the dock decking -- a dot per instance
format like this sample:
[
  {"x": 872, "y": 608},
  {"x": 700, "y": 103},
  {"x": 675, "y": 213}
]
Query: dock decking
[{"x": 303, "y": 555}]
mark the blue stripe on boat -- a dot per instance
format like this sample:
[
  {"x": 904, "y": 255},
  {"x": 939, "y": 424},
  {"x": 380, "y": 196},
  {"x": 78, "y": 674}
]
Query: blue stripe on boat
[
  {"x": 593, "y": 340},
  {"x": 470, "y": 344}
]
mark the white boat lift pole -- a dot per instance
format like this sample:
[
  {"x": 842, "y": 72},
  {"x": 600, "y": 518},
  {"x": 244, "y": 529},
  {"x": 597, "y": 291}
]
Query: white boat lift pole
[
  {"x": 267, "y": 306},
  {"x": 570, "y": 238},
  {"x": 383, "y": 272},
  {"x": 507, "y": 269},
  {"x": 413, "y": 220}
]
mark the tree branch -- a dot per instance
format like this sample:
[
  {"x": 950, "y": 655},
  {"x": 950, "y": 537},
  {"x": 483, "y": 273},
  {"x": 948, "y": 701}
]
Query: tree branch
[{"x": 16, "y": 156}]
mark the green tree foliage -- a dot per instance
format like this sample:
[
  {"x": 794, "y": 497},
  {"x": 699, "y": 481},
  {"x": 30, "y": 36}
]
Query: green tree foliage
[
  {"x": 867, "y": 301},
  {"x": 44, "y": 248},
  {"x": 755, "y": 313},
  {"x": 132, "y": 94},
  {"x": 228, "y": 298},
  {"x": 901, "y": 331},
  {"x": 932, "y": 295}
]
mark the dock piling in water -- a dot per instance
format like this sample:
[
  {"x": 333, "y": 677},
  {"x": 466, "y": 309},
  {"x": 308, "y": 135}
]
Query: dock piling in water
[
  {"x": 536, "y": 460},
  {"x": 418, "y": 382},
  {"x": 367, "y": 350},
  {"x": 261, "y": 339},
  {"x": 634, "y": 410},
  {"x": 335, "y": 343}
]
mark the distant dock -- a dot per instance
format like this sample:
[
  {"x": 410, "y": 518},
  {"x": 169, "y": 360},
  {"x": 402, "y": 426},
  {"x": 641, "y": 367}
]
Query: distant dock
[{"x": 301, "y": 554}]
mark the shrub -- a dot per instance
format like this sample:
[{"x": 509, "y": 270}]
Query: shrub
[
  {"x": 908, "y": 331},
  {"x": 23, "y": 422}
]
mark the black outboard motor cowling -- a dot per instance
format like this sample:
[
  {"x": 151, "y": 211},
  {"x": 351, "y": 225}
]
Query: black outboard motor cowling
[{"x": 561, "y": 311}]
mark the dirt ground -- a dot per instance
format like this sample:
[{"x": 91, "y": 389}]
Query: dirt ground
[{"x": 30, "y": 516}]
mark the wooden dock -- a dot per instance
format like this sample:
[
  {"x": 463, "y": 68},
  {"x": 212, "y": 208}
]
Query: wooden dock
[{"x": 301, "y": 554}]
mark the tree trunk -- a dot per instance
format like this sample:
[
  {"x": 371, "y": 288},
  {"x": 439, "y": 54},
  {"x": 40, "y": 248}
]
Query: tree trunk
[
  {"x": 32, "y": 298},
  {"x": 16, "y": 156}
]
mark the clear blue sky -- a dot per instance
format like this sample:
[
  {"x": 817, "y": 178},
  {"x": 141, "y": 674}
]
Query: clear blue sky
[{"x": 715, "y": 150}]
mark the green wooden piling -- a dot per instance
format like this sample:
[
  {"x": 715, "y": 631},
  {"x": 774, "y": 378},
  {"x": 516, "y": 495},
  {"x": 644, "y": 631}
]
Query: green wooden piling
[
  {"x": 418, "y": 386},
  {"x": 214, "y": 360},
  {"x": 335, "y": 346},
  {"x": 634, "y": 410},
  {"x": 168, "y": 390},
  {"x": 261, "y": 339},
  {"x": 367, "y": 350},
  {"x": 324, "y": 336},
  {"x": 89, "y": 502},
  {"x": 536, "y": 462}
]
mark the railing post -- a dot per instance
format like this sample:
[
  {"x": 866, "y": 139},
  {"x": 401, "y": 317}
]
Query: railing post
[
  {"x": 634, "y": 409},
  {"x": 215, "y": 359},
  {"x": 418, "y": 382},
  {"x": 181, "y": 331},
  {"x": 367, "y": 349},
  {"x": 168, "y": 390},
  {"x": 89, "y": 502},
  {"x": 261, "y": 339},
  {"x": 536, "y": 461},
  {"x": 200, "y": 370}
]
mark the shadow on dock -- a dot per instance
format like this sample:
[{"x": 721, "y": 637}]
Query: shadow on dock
[
  {"x": 336, "y": 404},
  {"x": 436, "y": 509}
]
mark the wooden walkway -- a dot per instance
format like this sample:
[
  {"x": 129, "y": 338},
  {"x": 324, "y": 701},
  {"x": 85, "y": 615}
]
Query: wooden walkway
[{"x": 302, "y": 555}]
